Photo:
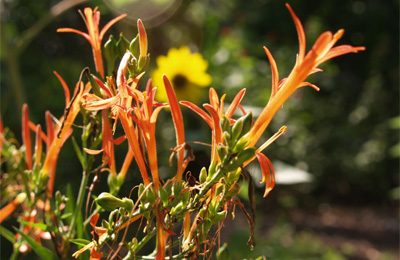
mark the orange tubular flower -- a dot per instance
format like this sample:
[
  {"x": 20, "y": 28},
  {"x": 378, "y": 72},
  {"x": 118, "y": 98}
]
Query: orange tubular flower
[
  {"x": 121, "y": 106},
  {"x": 145, "y": 117},
  {"x": 321, "y": 51},
  {"x": 216, "y": 112},
  {"x": 142, "y": 39},
  {"x": 38, "y": 147},
  {"x": 108, "y": 145},
  {"x": 11, "y": 207},
  {"x": 26, "y": 136},
  {"x": 61, "y": 133},
  {"x": 177, "y": 118},
  {"x": 91, "y": 17}
]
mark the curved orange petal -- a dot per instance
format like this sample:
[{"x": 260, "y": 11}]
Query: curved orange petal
[
  {"x": 71, "y": 30},
  {"x": 274, "y": 72},
  {"x": 235, "y": 103},
  {"x": 268, "y": 172},
  {"x": 308, "y": 84},
  {"x": 38, "y": 146},
  {"x": 341, "y": 50},
  {"x": 177, "y": 118},
  {"x": 198, "y": 111},
  {"x": 214, "y": 100},
  {"x": 49, "y": 128},
  {"x": 65, "y": 88},
  {"x": 111, "y": 23},
  {"x": 26, "y": 136},
  {"x": 42, "y": 135},
  {"x": 300, "y": 33}
]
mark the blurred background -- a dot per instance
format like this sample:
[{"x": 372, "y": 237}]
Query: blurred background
[{"x": 338, "y": 191}]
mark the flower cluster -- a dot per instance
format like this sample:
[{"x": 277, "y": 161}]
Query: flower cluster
[{"x": 110, "y": 103}]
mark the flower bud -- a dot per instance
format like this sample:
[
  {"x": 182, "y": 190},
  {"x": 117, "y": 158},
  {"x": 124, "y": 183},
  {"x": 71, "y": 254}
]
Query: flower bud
[
  {"x": 109, "y": 202},
  {"x": 177, "y": 209},
  {"x": 227, "y": 137},
  {"x": 240, "y": 144},
  {"x": 237, "y": 129},
  {"x": 247, "y": 122},
  {"x": 225, "y": 125},
  {"x": 163, "y": 196},
  {"x": 222, "y": 151},
  {"x": 203, "y": 175}
]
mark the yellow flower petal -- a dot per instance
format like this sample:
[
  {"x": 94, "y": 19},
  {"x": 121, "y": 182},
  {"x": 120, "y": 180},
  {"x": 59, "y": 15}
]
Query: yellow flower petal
[{"x": 187, "y": 72}]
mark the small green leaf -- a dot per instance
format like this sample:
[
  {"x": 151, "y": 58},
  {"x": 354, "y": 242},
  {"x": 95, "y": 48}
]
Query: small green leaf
[
  {"x": 222, "y": 253},
  {"x": 80, "y": 241},
  {"x": 70, "y": 205},
  {"x": 40, "y": 226},
  {"x": 163, "y": 196},
  {"x": 203, "y": 175},
  {"x": 237, "y": 129},
  {"x": 7, "y": 234},
  {"x": 78, "y": 152},
  {"x": 66, "y": 215}
]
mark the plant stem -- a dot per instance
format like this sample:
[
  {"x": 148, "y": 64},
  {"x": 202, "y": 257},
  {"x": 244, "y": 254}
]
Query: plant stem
[
  {"x": 145, "y": 239},
  {"x": 79, "y": 201}
]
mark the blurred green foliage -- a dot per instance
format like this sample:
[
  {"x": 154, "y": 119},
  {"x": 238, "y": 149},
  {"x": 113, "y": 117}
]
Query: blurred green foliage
[{"x": 342, "y": 134}]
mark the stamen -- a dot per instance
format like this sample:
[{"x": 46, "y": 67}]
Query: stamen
[{"x": 272, "y": 139}]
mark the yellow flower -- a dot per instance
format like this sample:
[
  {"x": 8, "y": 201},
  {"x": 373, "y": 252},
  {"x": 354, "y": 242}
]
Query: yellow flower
[{"x": 187, "y": 72}]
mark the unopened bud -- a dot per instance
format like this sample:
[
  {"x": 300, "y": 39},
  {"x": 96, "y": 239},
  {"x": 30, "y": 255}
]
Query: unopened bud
[
  {"x": 237, "y": 129},
  {"x": 109, "y": 202},
  {"x": 203, "y": 175},
  {"x": 142, "y": 39}
]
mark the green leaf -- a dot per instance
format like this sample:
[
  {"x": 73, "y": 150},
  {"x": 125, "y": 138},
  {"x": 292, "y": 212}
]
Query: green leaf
[
  {"x": 66, "y": 215},
  {"x": 79, "y": 226},
  {"x": 78, "y": 152},
  {"x": 43, "y": 252},
  {"x": 80, "y": 241},
  {"x": 163, "y": 196},
  {"x": 7, "y": 234},
  {"x": 222, "y": 253},
  {"x": 40, "y": 226},
  {"x": 69, "y": 207}
]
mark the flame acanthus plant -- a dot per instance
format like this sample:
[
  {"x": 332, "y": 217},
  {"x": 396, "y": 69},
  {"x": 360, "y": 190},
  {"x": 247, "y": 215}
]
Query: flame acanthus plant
[{"x": 167, "y": 208}]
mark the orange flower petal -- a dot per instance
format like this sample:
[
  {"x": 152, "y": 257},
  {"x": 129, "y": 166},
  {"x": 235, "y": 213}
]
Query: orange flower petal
[
  {"x": 71, "y": 30},
  {"x": 49, "y": 128},
  {"x": 300, "y": 33},
  {"x": 268, "y": 172},
  {"x": 177, "y": 118},
  {"x": 341, "y": 50},
  {"x": 38, "y": 146},
  {"x": 235, "y": 103},
  {"x": 65, "y": 87},
  {"x": 214, "y": 100},
  {"x": 142, "y": 39},
  {"x": 274, "y": 70},
  {"x": 26, "y": 136},
  {"x": 110, "y": 24},
  {"x": 198, "y": 111}
]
